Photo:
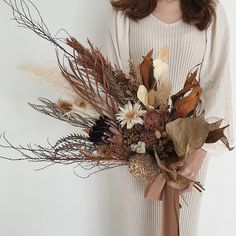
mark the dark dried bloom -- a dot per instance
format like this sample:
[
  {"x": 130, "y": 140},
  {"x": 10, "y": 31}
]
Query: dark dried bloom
[{"x": 98, "y": 130}]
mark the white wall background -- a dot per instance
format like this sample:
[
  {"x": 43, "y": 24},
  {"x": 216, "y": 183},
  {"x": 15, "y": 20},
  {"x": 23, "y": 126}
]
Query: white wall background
[{"x": 54, "y": 202}]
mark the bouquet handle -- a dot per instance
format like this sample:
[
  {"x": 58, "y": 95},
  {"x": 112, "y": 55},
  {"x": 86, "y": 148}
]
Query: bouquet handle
[
  {"x": 157, "y": 188},
  {"x": 170, "y": 213}
]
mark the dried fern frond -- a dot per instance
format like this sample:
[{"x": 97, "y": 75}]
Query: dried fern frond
[
  {"x": 113, "y": 80},
  {"x": 71, "y": 138},
  {"x": 86, "y": 86},
  {"x": 90, "y": 74},
  {"x": 81, "y": 120},
  {"x": 80, "y": 153},
  {"x": 23, "y": 11}
]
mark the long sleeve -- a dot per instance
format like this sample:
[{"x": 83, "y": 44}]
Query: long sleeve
[
  {"x": 116, "y": 46},
  {"x": 215, "y": 80}
]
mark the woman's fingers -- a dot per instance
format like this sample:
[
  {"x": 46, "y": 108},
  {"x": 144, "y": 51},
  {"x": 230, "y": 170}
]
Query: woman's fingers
[
  {"x": 177, "y": 166},
  {"x": 187, "y": 172},
  {"x": 188, "y": 188}
]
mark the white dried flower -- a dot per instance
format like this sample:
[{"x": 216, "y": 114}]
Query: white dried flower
[
  {"x": 130, "y": 115},
  {"x": 138, "y": 148}
]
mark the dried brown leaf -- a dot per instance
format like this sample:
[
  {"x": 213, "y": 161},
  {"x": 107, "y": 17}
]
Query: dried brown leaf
[
  {"x": 187, "y": 134},
  {"x": 184, "y": 106},
  {"x": 218, "y": 134},
  {"x": 146, "y": 69},
  {"x": 191, "y": 78}
]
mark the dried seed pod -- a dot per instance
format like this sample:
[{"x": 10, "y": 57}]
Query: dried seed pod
[
  {"x": 143, "y": 166},
  {"x": 132, "y": 136},
  {"x": 80, "y": 102},
  {"x": 158, "y": 134}
]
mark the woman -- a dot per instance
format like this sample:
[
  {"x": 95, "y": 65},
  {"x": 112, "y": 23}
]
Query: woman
[{"x": 196, "y": 32}]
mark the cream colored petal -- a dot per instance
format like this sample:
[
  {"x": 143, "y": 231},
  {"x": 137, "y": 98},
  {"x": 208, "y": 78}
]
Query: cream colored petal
[
  {"x": 136, "y": 107},
  {"x": 142, "y": 95},
  {"x": 123, "y": 123},
  {"x": 164, "y": 54},
  {"x": 120, "y": 118},
  {"x": 157, "y": 62},
  {"x": 120, "y": 115},
  {"x": 122, "y": 109},
  {"x": 130, "y": 106},
  {"x": 139, "y": 120},
  {"x": 161, "y": 71},
  {"x": 141, "y": 113},
  {"x": 129, "y": 124}
]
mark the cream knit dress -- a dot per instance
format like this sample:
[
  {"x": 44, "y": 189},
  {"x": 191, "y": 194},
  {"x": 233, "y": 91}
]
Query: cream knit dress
[{"x": 188, "y": 47}]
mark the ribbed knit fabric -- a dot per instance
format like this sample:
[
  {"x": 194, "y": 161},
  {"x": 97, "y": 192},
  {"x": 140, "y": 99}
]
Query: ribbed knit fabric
[
  {"x": 187, "y": 45},
  {"x": 142, "y": 217}
]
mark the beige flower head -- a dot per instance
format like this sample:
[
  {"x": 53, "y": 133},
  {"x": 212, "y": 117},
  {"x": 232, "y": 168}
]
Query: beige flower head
[
  {"x": 160, "y": 70},
  {"x": 130, "y": 115},
  {"x": 160, "y": 65},
  {"x": 64, "y": 105}
]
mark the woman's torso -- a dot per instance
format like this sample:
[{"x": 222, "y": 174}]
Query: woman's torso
[{"x": 187, "y": 45}]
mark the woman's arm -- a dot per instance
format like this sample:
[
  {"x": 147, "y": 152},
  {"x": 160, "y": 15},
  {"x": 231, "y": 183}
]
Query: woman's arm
[
  {"x": 116, "y": 45},
  {"x": 217, "y": 94},
  {"x": 215, "y": 80}
]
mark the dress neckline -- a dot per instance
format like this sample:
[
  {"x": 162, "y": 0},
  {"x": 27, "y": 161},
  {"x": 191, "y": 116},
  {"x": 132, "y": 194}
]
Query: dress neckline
[{"x": 165, "y": 23}]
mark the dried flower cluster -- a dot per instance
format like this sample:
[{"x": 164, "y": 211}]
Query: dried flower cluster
[
  {"x": 124, "y": 116},
  {"x": 128, "y": 120}
]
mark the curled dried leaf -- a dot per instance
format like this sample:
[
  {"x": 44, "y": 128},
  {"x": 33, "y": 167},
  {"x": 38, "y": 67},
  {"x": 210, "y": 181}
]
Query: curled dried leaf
[
  {"x": 191, "y": 78},
  {"x": 184, "y": 105},
  {"x": 146, "y": 69},
  {"x": 218, "y": 134},
  {"x": 189, "y": 134}
]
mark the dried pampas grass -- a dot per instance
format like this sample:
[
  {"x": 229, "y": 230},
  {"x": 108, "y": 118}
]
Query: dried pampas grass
[{"x": 51, "y": 76}]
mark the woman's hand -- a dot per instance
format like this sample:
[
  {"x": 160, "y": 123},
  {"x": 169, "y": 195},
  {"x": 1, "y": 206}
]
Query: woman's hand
[{"x": 191, "y": 167}]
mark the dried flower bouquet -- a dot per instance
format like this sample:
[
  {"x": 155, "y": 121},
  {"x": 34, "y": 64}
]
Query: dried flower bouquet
[{"x": 127, "y": 119}]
